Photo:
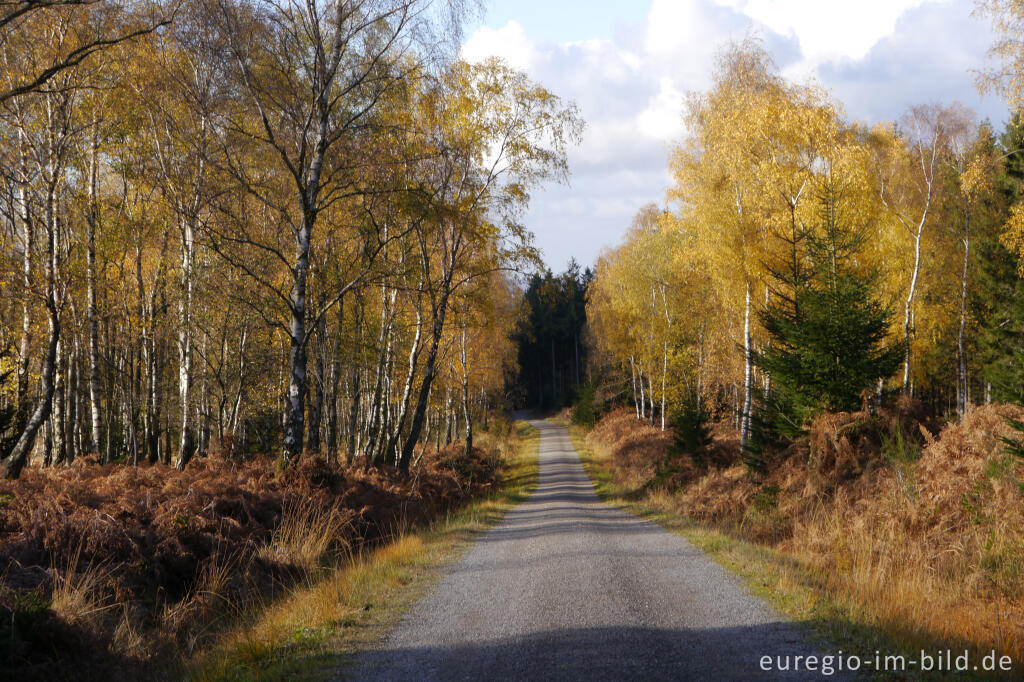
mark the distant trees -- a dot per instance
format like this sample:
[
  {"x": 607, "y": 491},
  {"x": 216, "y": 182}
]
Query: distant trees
[
  {"x": 262, "y": 227},
  {"x": 549, "y": 336}
]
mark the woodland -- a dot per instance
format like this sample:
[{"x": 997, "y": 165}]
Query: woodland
[
  {"x": 807, "y": 357},
  {"x": 257, "y": 277},
  {"x": 805, "y": 263},
  {"x": 257, "y": 226},
  {"x": 267, "y": 294}
]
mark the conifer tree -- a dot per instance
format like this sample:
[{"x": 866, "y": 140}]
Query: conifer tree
[
  {"x": 828, "y": 335},
  {"x": 999, "y": 298}
]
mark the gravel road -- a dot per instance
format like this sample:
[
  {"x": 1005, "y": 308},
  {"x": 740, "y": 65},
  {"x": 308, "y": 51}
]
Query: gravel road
[{"x": 568, "y": 588}]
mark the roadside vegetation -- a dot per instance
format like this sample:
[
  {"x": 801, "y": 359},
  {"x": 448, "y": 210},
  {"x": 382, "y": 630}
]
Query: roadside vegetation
[
  {"x": 258, "y": 278},
  {"x": 878, "y": 531},
  {"x": 138, "y": 573},
  {"x": 316, "y": 629}
]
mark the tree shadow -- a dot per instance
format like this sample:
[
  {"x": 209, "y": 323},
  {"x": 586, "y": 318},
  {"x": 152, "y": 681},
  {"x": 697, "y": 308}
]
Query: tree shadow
[{"x": 604, "y": 653}]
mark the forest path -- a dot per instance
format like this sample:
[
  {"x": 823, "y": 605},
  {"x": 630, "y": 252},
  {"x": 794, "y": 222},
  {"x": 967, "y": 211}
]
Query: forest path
[{"x": 569, "y": 588}]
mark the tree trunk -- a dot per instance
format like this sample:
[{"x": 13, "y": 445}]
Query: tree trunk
[
  {"x": 316, "y": 409},
  {"x": 187, "y": 443},
  {"x": 353, "y": 416},
  {"x": 91, "y": 223},
  {"x": 632, "y": 374},
  {"x": 24, "y": 212},
  {"x": 428, "y": 378},
  {"x": 650, "y": 395},
  {"x": 643, "y": 397},
  {"x": 414, "y": 353},
  {"x": 962, "y": 387},
  {"x": 296, "y": 397},
  {"x": 465, "y": 394},
  {"x": 57, "y": 416},
  {"x": 747, "y": 376},
  {"x": 664, "y": 375},
  {"x": 23, "y": 447},
  {"x": 908, "y": 307}
]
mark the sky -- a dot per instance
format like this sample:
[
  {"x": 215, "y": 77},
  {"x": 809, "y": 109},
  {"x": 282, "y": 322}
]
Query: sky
[{"x": 629, "y": 65}]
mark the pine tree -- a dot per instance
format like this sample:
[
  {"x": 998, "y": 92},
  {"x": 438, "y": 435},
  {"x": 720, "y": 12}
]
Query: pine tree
[{"x": 828, "y": 337}]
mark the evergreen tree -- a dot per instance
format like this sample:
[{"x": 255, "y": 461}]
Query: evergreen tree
[
  {"x": 692, "y": 434},
  {"x": 549, "y": 337},
  {"x": 828, "y": 337},
  {"x": 998, "y": 302}
]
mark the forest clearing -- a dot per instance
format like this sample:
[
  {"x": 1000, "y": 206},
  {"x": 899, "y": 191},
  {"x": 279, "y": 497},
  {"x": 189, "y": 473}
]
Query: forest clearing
[{"x": 275, "y": 317}]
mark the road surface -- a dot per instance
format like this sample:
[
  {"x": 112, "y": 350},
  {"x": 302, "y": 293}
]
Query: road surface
[{"x": 568, "y": 588}]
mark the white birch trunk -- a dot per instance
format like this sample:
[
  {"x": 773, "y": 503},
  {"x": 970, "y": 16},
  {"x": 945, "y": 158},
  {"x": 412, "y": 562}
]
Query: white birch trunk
[
  {"x": 91, "y": 311},
  {"x": 747, "y": 375}
]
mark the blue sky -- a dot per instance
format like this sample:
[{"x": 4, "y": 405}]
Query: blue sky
[
  {"x": 629, "y": 65},
  {"x": 559, "y": 21}
]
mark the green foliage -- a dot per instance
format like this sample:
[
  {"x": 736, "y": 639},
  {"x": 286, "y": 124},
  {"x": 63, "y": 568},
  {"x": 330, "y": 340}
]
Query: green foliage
[
  {"x": 1014, "y": 446},
  {"x": 692, "y": 435},
  {"x": 998, "y": 295},
  {"x": 584, "y": 413},
  {"x": 898, "y": 448},
  {"x": 998, "y": 299},
  {"x": 25, "y": 622},
  {"x": 826, "y": 326}
]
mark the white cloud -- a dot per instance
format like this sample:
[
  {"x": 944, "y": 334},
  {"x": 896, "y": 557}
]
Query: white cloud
[
  {"x": 828, "y": 30},
  {"x": 509, "y": 42},
  {"x": 662, "y": 119},
  {"x": 877, "y": 56}
]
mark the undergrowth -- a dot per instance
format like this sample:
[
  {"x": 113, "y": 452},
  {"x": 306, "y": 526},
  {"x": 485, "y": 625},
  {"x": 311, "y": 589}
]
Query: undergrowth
[{"x": 120, "y": 572}]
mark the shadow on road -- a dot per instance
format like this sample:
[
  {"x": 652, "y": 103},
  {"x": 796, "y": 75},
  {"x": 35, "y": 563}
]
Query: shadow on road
[{"x": 616, "y": 653}]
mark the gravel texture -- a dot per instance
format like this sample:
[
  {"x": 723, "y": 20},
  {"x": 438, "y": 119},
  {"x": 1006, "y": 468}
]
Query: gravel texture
[{"x": 568, "y": 588}]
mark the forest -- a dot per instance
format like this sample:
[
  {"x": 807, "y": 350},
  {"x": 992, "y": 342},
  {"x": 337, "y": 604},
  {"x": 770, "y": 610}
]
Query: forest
[
  {"x": 246, "y": 227},
  {"x": 268, "y": 299},
  {"x": 806, "y": 358},
  {"x": 258, "y": 271},
  {"x": 802, "y": 259}
]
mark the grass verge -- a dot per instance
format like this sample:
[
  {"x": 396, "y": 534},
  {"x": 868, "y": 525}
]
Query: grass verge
[
  {"x": 796, "y": 589},
  {"x": 315, "y": 631}
]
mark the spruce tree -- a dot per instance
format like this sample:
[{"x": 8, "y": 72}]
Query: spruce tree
[
  {"x": 692, "y": 433},
  {"x": 998, "y": 300},
  {"x": 828, "y": 336}
]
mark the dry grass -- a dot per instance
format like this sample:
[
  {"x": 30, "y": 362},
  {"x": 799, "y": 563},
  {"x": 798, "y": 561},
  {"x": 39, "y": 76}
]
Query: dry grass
[
  {"x": 309, "y": 536},
  {"x": 320, "y": 624},
  {"x": 914, "y": 536},
  {"x": 80, "y": 596}
]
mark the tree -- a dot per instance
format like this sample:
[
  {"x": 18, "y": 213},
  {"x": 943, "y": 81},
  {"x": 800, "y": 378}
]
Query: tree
[
  {"x": 74, "y": 30},
  {"x": 740, "y": 179},
  {"x": 503, "y": 135},
  {"x": 829, "y": 336},
  {"x": 907, "y": 174},
  {"x": 1006, "y": 76},
  {"x": 310, "y": 76}
]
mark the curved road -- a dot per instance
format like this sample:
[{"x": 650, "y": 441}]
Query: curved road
[{"x": 568, "y": 588}]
